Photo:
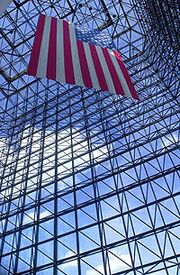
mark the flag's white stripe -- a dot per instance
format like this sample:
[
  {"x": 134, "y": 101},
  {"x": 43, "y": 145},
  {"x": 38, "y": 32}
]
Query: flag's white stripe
[
  {"x": 3, "y": 5},
  {"x": 75, "y": 56},
  {"x": 43, "y": 56},
  {"x": 60, "y": 70},
  {"x": 120, "y": 74},
  {"x": 106, "y": 71},
  {"x": 94, "y": 79}
]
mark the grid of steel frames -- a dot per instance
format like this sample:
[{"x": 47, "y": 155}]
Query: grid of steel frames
[{"x": 90, "y": 181}]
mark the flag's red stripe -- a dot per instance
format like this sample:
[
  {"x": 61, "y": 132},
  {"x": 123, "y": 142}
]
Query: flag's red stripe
[
  {"x": 84, "y": 65},
  {"x": 68, "y": 63},
  {"x": 51, "y": 64},
  {"x": 126, "y": 75},
  {"x": 98, "y": 68},
  {"x": 112, "y": 70},
  {"x": 33, "y": 64}
]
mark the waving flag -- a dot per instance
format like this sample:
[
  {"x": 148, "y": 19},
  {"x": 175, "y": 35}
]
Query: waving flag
[
  {"x": 3, "y": 5},
  {"x": 60, "y": 53}
]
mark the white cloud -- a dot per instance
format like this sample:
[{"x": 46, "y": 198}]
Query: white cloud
[
  {"x": 115, "y": 264},
  {"x": 69, "y": 264},
  {"x": 169, "y": 140},
  {"x": 2, "y": 144},
  {"x": 80, "y": 146},
  {"x": 31, "y": 216},
  {"x": 3, "y": 150},
  {"x": 69, "y": 254},
  {"x": 159, "y": 273}
]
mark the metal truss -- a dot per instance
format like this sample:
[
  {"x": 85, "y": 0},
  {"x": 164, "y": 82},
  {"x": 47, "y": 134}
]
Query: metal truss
[{"x": 90, "y": 181}]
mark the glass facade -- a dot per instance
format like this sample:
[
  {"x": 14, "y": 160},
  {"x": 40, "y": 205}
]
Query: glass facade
[{"x": 90, "y": 181}]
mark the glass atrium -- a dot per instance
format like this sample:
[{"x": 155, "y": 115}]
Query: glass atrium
[{"x": 89, "y": 181}]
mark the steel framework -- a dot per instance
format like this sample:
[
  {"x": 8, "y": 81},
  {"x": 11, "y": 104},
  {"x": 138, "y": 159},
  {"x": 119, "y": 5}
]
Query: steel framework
[{"x": 90, "y": 181}]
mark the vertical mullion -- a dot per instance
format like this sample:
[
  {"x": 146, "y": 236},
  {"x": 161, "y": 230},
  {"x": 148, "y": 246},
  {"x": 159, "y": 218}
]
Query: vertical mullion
[
  {"x": 55, "y": 270},
  {"x": 74, "y": 191},
  {"x": 11, "y": 194},
  {"x": 95, "y": 188},
  {"x": 36, "y": 226}
]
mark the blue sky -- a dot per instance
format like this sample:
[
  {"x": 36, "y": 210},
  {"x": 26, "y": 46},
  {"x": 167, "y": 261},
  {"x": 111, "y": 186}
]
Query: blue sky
[{"x": 120, "y": 129}]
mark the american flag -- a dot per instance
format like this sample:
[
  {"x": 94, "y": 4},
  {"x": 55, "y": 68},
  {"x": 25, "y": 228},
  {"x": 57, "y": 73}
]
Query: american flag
[
  {"x": 69, "y": 54},
  {"x": 94, "y": 36}
]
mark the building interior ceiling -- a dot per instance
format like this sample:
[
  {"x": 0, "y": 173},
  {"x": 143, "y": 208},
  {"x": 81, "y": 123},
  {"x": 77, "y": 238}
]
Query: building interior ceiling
[{"x": 90, "y": 181}]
